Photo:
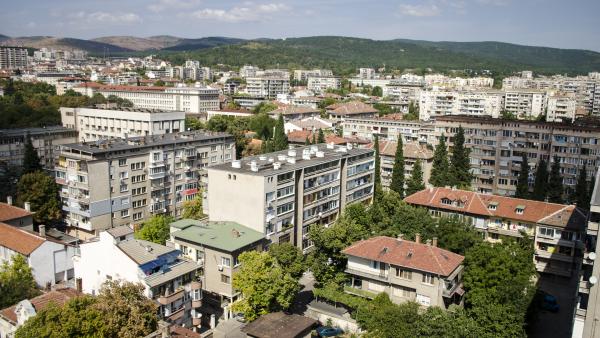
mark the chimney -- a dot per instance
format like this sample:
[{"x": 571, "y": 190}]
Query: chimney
[
  {"x": 417, "y": 238},
  {"x": 9, "y": 200},
  {"x": 42, "y": 228},
  {"x": 235, "y": 233},
  {"x": 78, "y": 284},
  {"x": 400, "y": 237},
  {"x": 28, "y": 206},
  {"x": 428, "y": 242},
  {"x": 434, "y": 242}
]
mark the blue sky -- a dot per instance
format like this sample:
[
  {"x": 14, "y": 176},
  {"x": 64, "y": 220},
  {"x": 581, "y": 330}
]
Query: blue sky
[{"x": 554, "y": 23}]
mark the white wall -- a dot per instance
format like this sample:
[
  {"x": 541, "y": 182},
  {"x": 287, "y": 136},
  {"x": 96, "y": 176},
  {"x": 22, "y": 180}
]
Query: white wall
[{"x": 48, "y": 259}]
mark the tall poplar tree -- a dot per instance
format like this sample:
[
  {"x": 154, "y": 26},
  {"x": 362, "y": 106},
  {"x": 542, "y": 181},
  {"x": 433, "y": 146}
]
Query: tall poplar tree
[
  {"x": 523, "y": 179},
  {"x": 415, "y": 183},
  {"x": 581, "y": 190},
  {"x": 540, "y": 187},
  {"x": 397, "y": 183},
  {"x": 280, "y": 141},
  {"x": 31, "y": 160},
  {"x": 321, "y": 138},
  {"x": 439, "y": 170},
  {"x": 555, "y": 183},
  {"x": 460, "y": 166},
  {"x": 377, "y": 182}
]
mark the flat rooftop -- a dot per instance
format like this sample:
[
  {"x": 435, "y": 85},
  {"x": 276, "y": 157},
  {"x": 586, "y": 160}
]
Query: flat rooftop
[
  {"x": 224, "y": 236},
  {"x": 291, "y": 159},
  {"x": 34, "y": 131},
  {"x": 129, "y": 109}
]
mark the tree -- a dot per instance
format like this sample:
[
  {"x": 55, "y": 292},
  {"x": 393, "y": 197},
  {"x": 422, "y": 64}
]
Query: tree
[
  {"x": 307, "y": 141},
  {"x": 523, "y": 179},
  {"x": 415, "y": 183},
  {"x": 377, "y": 181},
  {"x": 289, "y": 257},
  {"x": 440, "y": 167},
  {"x": 540, "y": 187},
  {"x": 455, "y": 235},
  {"x": 377, "y": 91},
  {"x": 41, "y": 191},
  {"x": 193, "y": 209},
  {"x": 16, "y": 281},
  {"x": 460, "y": 167},
  {"x": 194, "y": 123},
  {"x": 156, "y": 229},
  {"x": 264, "y": 285},
  {"x": 581, "y": 190},
  {"x": 120, "y": 310},
  {"x": 264, "y": 107},
  {"x": 321, "y": 137},
  {"x": 555, "y": 183},
  {"x": 280, "y": 141},
  {"x": 31, "y": 160},
  {"x": 397, "y": 183}
]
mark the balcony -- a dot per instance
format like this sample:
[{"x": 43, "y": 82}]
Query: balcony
[
  {"x": 554, "y": 256},
  {"x": 157, "y": 175},
  {"x": 176, "y": 315},
  {"x": 376, "y": 276},
  {"x": 196, "y": 321},
  {"x": 196, "y": 303},
  {"x": 455, "y": 288},
  {"x": 584, "y": 286},
  {"x": 359, "y": 292},
  {"x": 178, "y": 294}
]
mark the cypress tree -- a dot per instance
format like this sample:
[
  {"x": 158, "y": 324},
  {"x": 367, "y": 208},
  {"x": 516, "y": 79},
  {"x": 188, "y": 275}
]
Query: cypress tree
[
  {"x": 321, "y": 138},
  {"x": 415, "y": 183},
  {"x": 280, "y": 141},
  {"x": 540, "y": 188},
  {"x": 439, "y": 170},
  {"x": 460, "y": 168},
  {"x": 591, "y": 186},
  {"x": 377, "y": 182},
  {"x": 314, "y": 138},
  {"x": 397, "y": 183},
  {"x": 31, "y": 160},
  {"x": 307, "y": 142},
  {"x": 523, "y": 179},
  {"x": 555, "y": 183},
  {"x": 581, "y": 190}
]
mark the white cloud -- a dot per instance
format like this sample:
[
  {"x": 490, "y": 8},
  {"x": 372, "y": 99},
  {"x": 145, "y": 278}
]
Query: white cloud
[
  {"x": 494, "y": 2},
  {"x": 31, "y": 24},
  {"x": 105, "y": 17},
  {"x": 162, "y": 5},
  {"x": 248, "y": 12},
  {"x": 424, "y": 10}
]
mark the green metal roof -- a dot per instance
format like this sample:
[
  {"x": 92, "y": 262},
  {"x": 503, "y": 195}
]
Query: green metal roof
[{"x": 225, "y": 236}]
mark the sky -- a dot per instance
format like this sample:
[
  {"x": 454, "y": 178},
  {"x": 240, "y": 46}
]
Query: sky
[{"x": 552, "y": 23}]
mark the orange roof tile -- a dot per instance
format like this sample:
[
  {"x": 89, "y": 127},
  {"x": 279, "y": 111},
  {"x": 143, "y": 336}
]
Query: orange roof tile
[
  {"x": 9, "y": 212},
  {"x": 349, "y": 108},
  {"x": 59, "y": 297},
  {"x": 411, "y": 150},
  {"x": 18, "y": 240}
]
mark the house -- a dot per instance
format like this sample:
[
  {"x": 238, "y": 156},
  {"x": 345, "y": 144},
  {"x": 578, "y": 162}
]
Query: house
[
  {"x": 15, "y": 216},
  {"x": 310, "y": 123},
  {"x": 405, "y": 270},
  {"x": 291, "y": 112},
  {"x": 167, "y": 278},
  {"x": 280, "y": 325},
  {"x": 215, "y": 247},
  {"x": 50, "y": 260},
  {"x": 355, "y": 109},
  {"x": 557, "y": 229},
  {"x": 13, "y": 317}
]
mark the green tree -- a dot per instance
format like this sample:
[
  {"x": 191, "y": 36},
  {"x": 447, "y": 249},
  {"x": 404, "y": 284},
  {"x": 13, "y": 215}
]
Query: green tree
[
  {"x": 440, "y": 167},
  {"x": 264, "y": 107},
  {"x": 397, "y": 183},
  {"x": 555, "y": 183},
  {"x": 289, "y": 257},
  {"x": 413, "y": 112},
  {"x": 415, "y": 183},
  {"x": 280, "y": 140},
  {"x": 581, "y": 190},
  {"x": 377, "y": 91},
  {"x": 264, "y": 285},
  {"x": 523, "y": 179},
  {"x": 31, "y": 160},
  {"x": 460, "y": 167},
  {"x": 455, "y": 235},
  {"x": 16, "y": 281},
  {"x": 307, "y": 142},
  {"x": 540, "y": 187},
  {"x": 377, "y": 181},
  {"x": 193, "y": 209},
  {"x": 384, "y": 319},
  {"x": 156, "y": 229},
  {"x": 194, "y": 123},
  {"x": 41, "y": 191},
  {"x": 321, "y": 137}
]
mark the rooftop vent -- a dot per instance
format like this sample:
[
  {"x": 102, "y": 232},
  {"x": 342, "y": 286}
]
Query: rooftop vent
[
  {"x": 330, "y": 145},
  {"x": 254, "y": 166},
  {"x": 262, "y": 158},
  {"x": 306, "y": 154},
  {"x": 409, "y": 254},
  {"x": 291, "y": 160},
  {"x": 281, "y": 157},
  {"x": 314, "y": 149},
  {"x": 276, "y": 165},
  {"x": 271, "y": 160},
  {"x": 320, "y": 154},
  {"x": 236, "y": 164},
  {"x": 349, "y": 146},
  {"x": 292, "y": 153}
]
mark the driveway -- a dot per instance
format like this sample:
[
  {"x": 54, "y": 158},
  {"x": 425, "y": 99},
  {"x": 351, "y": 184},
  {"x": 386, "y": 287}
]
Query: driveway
[
  {"x": 305, "y": 295},
  {"x": 556, "y": 325}
]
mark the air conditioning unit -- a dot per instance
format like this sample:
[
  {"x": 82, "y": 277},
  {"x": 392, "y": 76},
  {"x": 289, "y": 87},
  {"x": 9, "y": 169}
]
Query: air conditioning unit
[{"x": 220, "y": 267}]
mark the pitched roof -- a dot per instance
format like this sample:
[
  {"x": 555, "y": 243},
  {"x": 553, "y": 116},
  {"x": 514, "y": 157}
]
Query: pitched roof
[
  {"x": 21, "y": 241},
  {"x": 567, "y": 216},
  {"x": 279, "y": 325},
  {"x": 141, "y": 251},
  {"x": 225, "y": 236},
  {"x": 350, "y": 108},
  {"x": 403, "y": 253},
  {"x": 293, "y": 110},
  {"x": 59, "y": 297},
  {"x": 299, "y": 136},
  {"x": 410, "y": 149},
  {"x": 119, "y": 231},
  {"x": 9, "y": 212}
]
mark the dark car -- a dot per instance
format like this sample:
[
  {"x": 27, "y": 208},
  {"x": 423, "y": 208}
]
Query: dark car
[
  {"x": 328, "y": 331},
  {"x": 550, "y": 303}
]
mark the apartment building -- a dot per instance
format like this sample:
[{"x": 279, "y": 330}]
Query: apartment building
[
  {"x": 13, "y": 57},
  {"x": 302, "y": 75},
  {"x": 354, "y": 109},
  {"x": 558, "y": 230},
  {"x": 167, "y": 278},
  {"x": 46, "y": 141},
  {"x": 282, "y": 194},
  {"x": 197, "y": 99},
  {"x": 248, "y": 71},
  {"x": 116, "y": 182},
  {"x": 403, "y": 92},
  {"x": 525, "y": 103},
  {"x": 412, "y": 152},
  {"x": 215, "y": 247},
  {"x": 388, "y": 129},
  {"x": 320, "y": 84},
  {"x": 435, "y": 103},
  {"x": 366, "y": 73},
  {"x": 101, "y": 124},
  {"x": 405, "y": 270},
  {"x": 267, "y": 86},
  {"x": 561, "y": 108}
]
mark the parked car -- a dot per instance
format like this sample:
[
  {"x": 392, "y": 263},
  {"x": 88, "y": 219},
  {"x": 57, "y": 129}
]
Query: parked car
[
  {"x": 328, "y": 331},
  {"x": 547, "y": 301}
]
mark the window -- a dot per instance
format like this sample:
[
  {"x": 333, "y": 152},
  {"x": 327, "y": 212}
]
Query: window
[
  {"x": 213, "y": 159},
  {"x": 446, "y": 201},
  {"x": 520, "y": 209},
  {"x": 225, "y": 279},
  {"x": 124, "y": 213},
  {"x": 138, "y": 216},
  {"x": 427, "y": 278},
  {"x": 547, "y": 232},
  {"x": 226, "y": 261},
  {"x": 123, "y": 188},
  {"x": 403, "y": 273},
  {"x": 122, "y": 162}
]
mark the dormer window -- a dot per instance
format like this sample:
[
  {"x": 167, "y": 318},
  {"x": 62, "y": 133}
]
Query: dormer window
[
  {"x": 520, "y": 209},
  {"x": 493, "y": 206},
  {"x": 446, "y": 201}
]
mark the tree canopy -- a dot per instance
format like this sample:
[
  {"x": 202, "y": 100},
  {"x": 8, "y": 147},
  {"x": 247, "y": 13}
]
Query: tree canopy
[
  {"x": 377, "y": 181},
  {"x": 397, "y": 183},
  {"x": 289, "y": 257},
  {"x": 440, "y": 168},
  {"x": 540, "y": 186},
  {"x": 460, "y": 166},
  {"x": 156, "y": 229},
  {"x": 193, "y": 209},
  {"x": 41, "y": 191},
  {"x": 16, "y": 281},
  {"x": 523, "y": 178},
  {"x": 31, "y": 160},
  {"x": 415, "y": 183},
  {"x": 555, "y": 183}
]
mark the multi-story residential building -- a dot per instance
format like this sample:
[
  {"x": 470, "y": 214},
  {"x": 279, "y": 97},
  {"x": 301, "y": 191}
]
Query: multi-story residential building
[
  {"x": 561, "y": 108},
  {"x": 388, "y": 129},
  {"x": 339, "y": 112},
  {"x": 320, "y": 84},
  {"x": 434, "y": 103},
  {"x": 412, "y": 152},
  {"x": 100, "y": 124},
  {"x": 366, "y": 73},
  {"x": 215, "y": 247},
  {"x": 125, "y": 181},
  {"x": 282, "y": 194},
  {"x": 13, "y": 57},
  {"x": 557, "y": 229},
  {"x": 248, "y": 71},
  {"x": 405, "y": 270},
  {"x": 525, "y": 103},
  {"x": 167, "y": 278},
  {"x": 195, "y": 99},
  {"x": 46, "y": 141},
  {"x": 303, "y": 75},
  {"x": 267, "y": 86}
]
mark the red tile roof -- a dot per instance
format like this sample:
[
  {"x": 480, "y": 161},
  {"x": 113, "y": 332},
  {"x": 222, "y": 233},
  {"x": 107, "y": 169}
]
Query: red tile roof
[
  {"x": 299, "y": 136},
  {"x": 408, "y": 254},
  {"x": 59, "y": 297},
  {"x": 506, "y": 207},
  {"x": 9, "y": 212},
  {"x": 411, "y": 150},
  {"x": 350, "y": 108},
  {"x": 293, "y": 110},
  {"x": 18, "y": 240}
]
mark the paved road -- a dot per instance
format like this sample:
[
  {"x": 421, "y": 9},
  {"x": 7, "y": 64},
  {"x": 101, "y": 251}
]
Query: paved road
[
  {"x": 305, "y": 295},
  {"x": 556, "y": 325}
]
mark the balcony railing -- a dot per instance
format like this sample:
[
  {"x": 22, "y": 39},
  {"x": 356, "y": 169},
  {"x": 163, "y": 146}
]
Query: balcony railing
[
  {"x": 178, "y": 294},
  {"x": 176, "y": 315}
]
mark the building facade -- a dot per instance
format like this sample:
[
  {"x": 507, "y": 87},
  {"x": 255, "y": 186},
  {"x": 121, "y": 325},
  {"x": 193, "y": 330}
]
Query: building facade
[
  {"x": 412, "y": 152},
  {"x": 13, "y": 57},
  {"x": 320, "y": 84},
  {"x": 267, "y": 86}
]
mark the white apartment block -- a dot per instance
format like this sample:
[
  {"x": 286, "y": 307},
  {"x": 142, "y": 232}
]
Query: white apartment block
[
  {"x": 195, "y": 99},
  {"x": 267, "y": 86},
  {"x": 303, "y": 75},
  {"x": 410, "y": 131},
  {"x": 13, "y": 57},
  {"x": 561, "y": 108},
  {"x": 525, "y": 103},
  {"x": 436, "y": 103},
  {"x": 101, "y": 124},
  {"x": 117, "y": 182},
  {"x": 248, "y": 71},
  {"x": 282, "y": 194},
  {"x": 320, "y": 84},
  {"x": 366, "y": 73}
]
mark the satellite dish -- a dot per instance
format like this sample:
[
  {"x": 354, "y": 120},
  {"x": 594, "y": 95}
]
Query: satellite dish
[
  {"x": 592, "y": 255},
  {"x": 593, "y": 280}
]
